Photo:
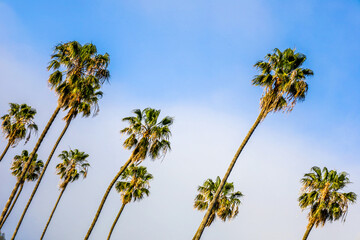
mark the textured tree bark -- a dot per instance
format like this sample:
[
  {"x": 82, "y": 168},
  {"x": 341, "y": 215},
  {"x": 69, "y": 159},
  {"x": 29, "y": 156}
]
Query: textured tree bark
[
  {"x": 122, "y": 169},
  {"x": 308, "y": 229},
  {"x": 202, "y": 226},
  {"x": 28, "y": 164},
  {"x": 116, "y": 219},
  {"x": 40, "y": 177},
  {"x": 12, "y": 204},
  {"x": 52, "y": 213},
  {"x": 5, "y": 150}
]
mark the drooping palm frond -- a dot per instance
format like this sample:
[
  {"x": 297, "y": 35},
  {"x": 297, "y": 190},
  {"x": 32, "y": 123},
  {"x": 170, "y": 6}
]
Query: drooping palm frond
[
  {"x": 283, "y": 79},
  {"x": 78, "y": 73},
  {"x": 74, "y": 164},
  {"x": 227, "y": 205},
  {"x": 135, "y": 184},
  {"x": 19, "y": 123},
  {"x": 147, "y": 135},
  {"x": 321, "y": 194},
  {"x": 34, "y": 170}
]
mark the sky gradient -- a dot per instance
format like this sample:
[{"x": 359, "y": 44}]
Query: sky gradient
[{"x": 193, "y": 60}]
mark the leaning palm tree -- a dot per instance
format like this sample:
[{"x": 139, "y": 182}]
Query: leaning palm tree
[
  {"x": 284, "y": 82},
  {"x": 147, "y": 138},
  {"x": 321, "y": 194},
  {"x": 71, "y": 61},
  {"x": 18, "y": 124},
  {"x": 74, "y": 165},
  {"x": 227, "y": 205},
  {"x": 83, "y": 96},
  {"x": 31, "y": 175},
  {"x": 135, "y": 187}
]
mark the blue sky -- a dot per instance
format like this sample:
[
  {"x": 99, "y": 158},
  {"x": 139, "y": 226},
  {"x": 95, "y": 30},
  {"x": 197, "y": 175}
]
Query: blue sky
[{"x": 194, "y": 59}]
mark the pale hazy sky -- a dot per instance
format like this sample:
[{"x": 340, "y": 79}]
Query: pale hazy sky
[{"x": 193, "y": 60}]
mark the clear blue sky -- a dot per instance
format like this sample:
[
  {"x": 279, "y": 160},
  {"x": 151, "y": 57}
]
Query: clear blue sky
[{"x": 195, "y": 58}]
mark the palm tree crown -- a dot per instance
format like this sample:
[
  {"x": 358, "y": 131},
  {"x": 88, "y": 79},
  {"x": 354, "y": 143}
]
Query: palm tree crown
[
  {"x": 73, "y": 165},
  {"x": 321, "y": 193},
  {"x": 227, "y": 205},
  {"x": 18, "y": 123},
  {"x": 136, "y": 184},
  {"x": 19, "y": 162},
  {"x": 148, "y": 137},
  {"x": 78, "y": 74},
  {"x": 283, "y": 80}
]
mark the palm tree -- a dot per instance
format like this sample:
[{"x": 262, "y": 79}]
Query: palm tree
[
  {"x": 31, "y": 175},
  {"x": 85, "y": 72},
  {"x": 284, "y": 82},
  {"x": 74, "y": 165},
  {"x": 321, "y": 194},
  {"x": 18, "y": 124},
  {"x": 147, "y": 138},
  {"x": 135, "y": 187},
  {"x": 227, "y": 205},
  {"x": 79, "y": 62}
]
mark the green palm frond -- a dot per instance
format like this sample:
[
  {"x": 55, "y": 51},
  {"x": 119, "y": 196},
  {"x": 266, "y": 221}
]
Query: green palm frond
[
  {"x": 227, "y": 205},
  {"x": 146, "y": 135},
  {"x": 34, "y": 170},
  {"x": 320, "y": 193},
  {"x": 283, "y": 80},
  {"x": 135, "y": 184},
  {"x": 78, "y": 73},
  {"x": 74, "y": 164},
  {"x": 19, "y": 123}
]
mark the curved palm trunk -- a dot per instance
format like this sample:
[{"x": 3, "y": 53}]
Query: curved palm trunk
[
  {"x": 116, "y": 219},
  {"x": 308, "y": 229},
  {"x": 122, "y": 169},
  {"x": 52, "y": 213},
  {"x": 5, "y": 150},
  {"x": 28, "y": 164},
  {"x": 13, "y": 204},
  {"x": 40, "y": 177},
  {"x": 202, "y": 226}
]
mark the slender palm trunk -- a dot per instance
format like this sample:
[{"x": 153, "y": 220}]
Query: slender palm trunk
[
  {"x": 40, "y": 178},
  {"x": 28, "y": 164},
  {"x": 308, "y": 229},
  {"x": 12, "y": 204},
  {"x": 116, "y": 219},
  {"x": 122, "y": 169},
  {"x": 52, "y": 213},
  {"x": 5, "y": 150},
  {"x": 202, "y": 226}
]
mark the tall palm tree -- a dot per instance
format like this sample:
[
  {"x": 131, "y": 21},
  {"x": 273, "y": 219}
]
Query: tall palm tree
[
  {"x": 227, "y": 205},
  {"x": 18, "y": 124},
  {"x": 31, "y": 175},
  {"x": 71, "y": 61},
  {"x": 321, "y": 194},
  {"x": 135, "y": 187},
  {"x": 85, "y": 72},
  {"x": 74, "y": 165},
  {"x": 147, "y": 138},
  {"x": 284, "y": 82}
]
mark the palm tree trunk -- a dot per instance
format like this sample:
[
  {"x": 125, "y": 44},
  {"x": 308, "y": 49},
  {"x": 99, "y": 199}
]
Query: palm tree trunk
[
  {"x": 202, "y": 226},
  {"x": 116, "y": 219},
  {"x": 5, "y": 150},
  {"x": 52, "y": 213},
  {"x": 308, "y": 229},
  {"x": 41, "y": 176},
  {"x": 122, "y": 169},
  {"x": 28, "y": 164},
  {"x": 13, "y": 204}
]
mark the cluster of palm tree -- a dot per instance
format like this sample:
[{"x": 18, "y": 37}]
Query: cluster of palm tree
[{"x": 77, "y": 75}]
